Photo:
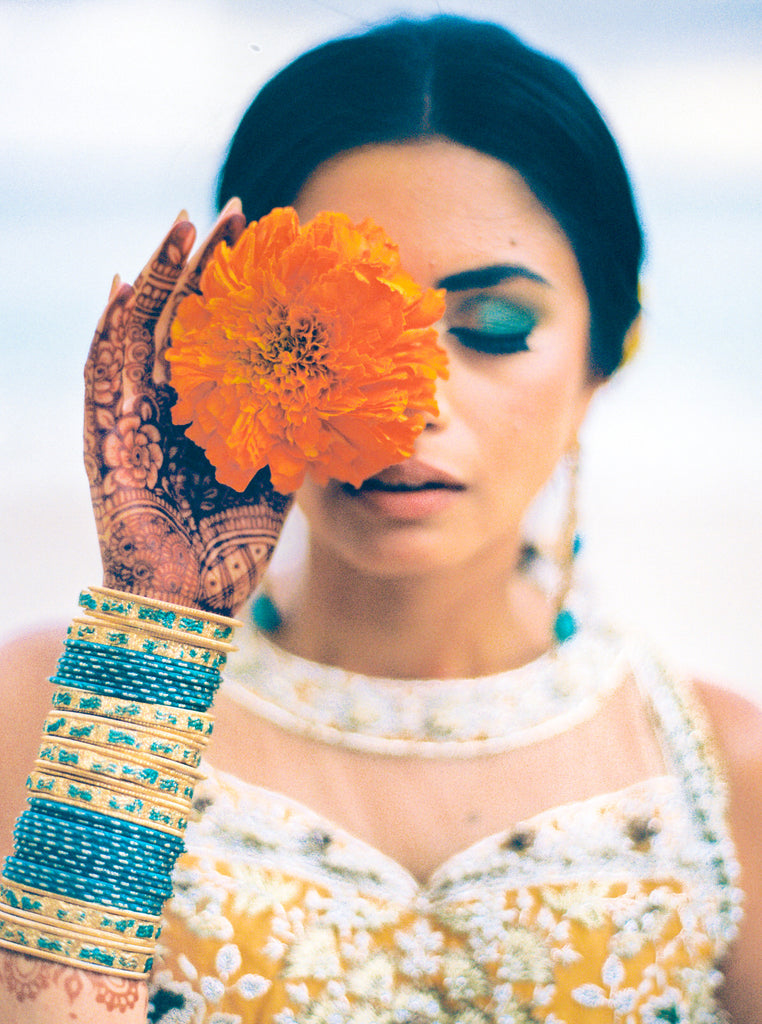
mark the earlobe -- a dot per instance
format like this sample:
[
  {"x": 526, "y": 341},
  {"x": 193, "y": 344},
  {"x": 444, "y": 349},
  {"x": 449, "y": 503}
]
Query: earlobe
[
  {"x": 632, "y": 340},
  {"x": 590, "y": 388}
]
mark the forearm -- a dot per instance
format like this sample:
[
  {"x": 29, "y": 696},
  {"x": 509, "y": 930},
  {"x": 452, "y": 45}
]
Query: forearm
[
  {"x": 110, "y": 795},
  {"x": 35, "y": 991}
]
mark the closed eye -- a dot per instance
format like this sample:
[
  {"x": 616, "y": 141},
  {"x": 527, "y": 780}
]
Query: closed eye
[{"x": 491, "y": 342}]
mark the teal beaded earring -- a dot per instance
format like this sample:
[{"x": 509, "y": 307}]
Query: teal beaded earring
[
  {"x": 565, "y": 624},
  {"x": 265, "y": 614}
]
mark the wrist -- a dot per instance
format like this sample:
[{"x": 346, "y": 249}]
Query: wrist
[{"x": 112, "y": 787}]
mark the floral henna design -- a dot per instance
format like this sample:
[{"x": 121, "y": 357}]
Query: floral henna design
[
  {"x": 166, "y": 527},
  {"x": 25, "y": 977},
  {"x": 116, "y": 994},
  {"x": 28, "y": 978}
]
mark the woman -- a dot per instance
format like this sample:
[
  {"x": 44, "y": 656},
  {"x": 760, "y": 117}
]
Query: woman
[{"x": 436, "y": 791}]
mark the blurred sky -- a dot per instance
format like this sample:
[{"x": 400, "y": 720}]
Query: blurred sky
[{"x": 115, "y": 116}]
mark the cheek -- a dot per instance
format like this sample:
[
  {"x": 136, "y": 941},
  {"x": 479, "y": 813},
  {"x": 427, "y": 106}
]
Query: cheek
[
  {"x": 525, "y": 421},
  {"x": 309, "y": 498}
]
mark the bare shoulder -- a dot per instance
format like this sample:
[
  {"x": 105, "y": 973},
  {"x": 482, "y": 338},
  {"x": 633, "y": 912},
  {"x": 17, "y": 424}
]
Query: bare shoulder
[
  {"x": 737, "y": 726},
  {"x": 26, "y": 663},
  {"x": 736, "y": 723},
  {"x": 31, "y": 653}
]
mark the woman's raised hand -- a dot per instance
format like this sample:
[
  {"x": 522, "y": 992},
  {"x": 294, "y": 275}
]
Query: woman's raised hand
[{"x": 167, "y": 529}]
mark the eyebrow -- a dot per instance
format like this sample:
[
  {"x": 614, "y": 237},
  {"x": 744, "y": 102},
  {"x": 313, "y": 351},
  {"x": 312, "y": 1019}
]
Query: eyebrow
[{"x": 486, "y": 277}]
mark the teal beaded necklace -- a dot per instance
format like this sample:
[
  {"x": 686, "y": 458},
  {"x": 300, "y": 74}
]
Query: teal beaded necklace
[{"x": 268, "y": 619}]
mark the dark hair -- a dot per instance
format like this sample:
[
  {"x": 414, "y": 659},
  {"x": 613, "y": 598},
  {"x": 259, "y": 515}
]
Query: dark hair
[{"x": 478, "y": 85}]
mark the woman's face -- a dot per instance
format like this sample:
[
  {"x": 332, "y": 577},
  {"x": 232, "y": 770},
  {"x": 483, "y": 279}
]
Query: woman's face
[{"x": 516, "y": 331}]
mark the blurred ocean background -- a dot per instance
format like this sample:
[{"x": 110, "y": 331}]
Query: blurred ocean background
[{"x": 115, "y": 115}]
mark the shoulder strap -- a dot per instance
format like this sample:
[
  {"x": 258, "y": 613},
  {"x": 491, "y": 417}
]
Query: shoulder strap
[{"x": 693, "y": 756}]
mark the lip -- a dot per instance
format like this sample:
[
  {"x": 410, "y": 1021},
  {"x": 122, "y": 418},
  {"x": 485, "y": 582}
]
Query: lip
[{"x": 409, "y": 490}]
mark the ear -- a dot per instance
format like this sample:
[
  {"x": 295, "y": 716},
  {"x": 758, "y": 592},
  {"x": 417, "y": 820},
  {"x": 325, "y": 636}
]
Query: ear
[
  {"x": 630, "y": 346},
  {"x": 589, "y": 389},
  {"x": 632, "y": 339}
]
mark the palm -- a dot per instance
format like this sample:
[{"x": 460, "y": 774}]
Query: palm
[{"x": 167, "y": 529}]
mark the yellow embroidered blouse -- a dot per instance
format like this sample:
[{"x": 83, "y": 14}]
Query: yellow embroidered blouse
[{"x": 617, "y": 908}]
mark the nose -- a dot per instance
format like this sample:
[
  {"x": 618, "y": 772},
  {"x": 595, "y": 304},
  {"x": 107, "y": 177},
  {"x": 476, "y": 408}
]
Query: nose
[{"x": 441, "y": 419}]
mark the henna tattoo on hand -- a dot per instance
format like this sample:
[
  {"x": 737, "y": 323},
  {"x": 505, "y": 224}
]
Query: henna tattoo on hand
[
  {"x": 29, "y": 979},
  {"x": 167, "y": 529},
  {"x": 24, "y": 976}
]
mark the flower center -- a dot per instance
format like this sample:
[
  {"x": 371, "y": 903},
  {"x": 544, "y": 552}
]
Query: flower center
[{"x": 292, "y": 344}]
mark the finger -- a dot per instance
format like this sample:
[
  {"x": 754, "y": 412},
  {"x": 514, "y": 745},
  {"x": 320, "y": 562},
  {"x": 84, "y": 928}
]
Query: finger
[
  {"x": 151, "y": 290},
  {"x": 156, "y": 281},
  {"x": 103, "y": 375},
  {"x": 228, "y": 228},
  {"x": 110, "y": 329}
]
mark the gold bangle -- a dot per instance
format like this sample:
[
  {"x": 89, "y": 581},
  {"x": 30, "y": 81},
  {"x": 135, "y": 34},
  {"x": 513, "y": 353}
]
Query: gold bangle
[
  {"x": 122, "y": 925},
  {"x": 114, "y": 802},
  {"x": 81, "y": 950},
  {"x": 126, "y": 738},
  {"x": 196, "y": 724},
  {"x": 144, "y": 640},
  {"x": 192, "y": 624},
  {"x": 142, "y": 771}
]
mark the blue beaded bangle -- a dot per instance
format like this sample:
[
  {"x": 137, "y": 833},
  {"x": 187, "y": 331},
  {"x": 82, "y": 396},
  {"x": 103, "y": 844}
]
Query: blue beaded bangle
[
  {"x": 57, "y": 832},
  {"x": 137, "y": 689},
  {"x": 83, "y": 863},
  {"x": 103, "y": 824},
  {"x": 156, "y": 664},
  {"x": 144, "y": 896},
  {"x": 85, "y": 888},
  {"x": 127, "y": 857},
  {"x": 74, "y": 664},
  {"x": 131, "y": 675}
]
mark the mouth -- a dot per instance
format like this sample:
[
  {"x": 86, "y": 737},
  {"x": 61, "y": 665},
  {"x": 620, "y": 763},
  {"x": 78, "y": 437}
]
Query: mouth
[
  {"x": 407, "y": 478},
  {"x": 386, "y": 488},
  {"x": 409, "y": 491}
]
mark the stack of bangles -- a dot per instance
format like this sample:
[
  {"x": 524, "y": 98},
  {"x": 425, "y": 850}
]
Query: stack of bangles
[{"x": 112, "y": 788}]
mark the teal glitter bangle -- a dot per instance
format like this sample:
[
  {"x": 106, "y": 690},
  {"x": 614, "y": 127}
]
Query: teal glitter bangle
[
  {"x": 155, "y": 666},
  {"x": 136, "y": 689},
  {"x": 97, "y": 856},
  {"x": 35, "y": 842},
  {"x": 136, "y": 853},
  {"x": 110, "y": 890},
  {"x": 84, "y": 888},
  {"x": 131, "y": 675},
  {"x": 103, "y": 823},
  {"x": 85, "y": 865}
]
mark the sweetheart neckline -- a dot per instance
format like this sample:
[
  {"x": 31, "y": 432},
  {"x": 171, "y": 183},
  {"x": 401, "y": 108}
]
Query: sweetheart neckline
[{"x": 665, "y": 784}]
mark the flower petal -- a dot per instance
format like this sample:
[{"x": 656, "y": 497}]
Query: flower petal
[{"x": 308, "y": 349}]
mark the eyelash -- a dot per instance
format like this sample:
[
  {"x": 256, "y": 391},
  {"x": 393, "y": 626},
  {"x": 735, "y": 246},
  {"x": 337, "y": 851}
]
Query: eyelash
[{"x": 491, "y": 343}]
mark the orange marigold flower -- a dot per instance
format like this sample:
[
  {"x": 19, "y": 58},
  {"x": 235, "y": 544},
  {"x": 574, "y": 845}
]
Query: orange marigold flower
[{"x": 309, "y": 348}]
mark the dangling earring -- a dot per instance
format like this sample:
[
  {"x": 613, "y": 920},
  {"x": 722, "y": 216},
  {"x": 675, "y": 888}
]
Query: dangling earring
[{"x": 565, "y": 624}]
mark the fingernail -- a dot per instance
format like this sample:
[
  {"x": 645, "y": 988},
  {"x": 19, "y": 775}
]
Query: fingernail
[{"x": 233, "y": 205}]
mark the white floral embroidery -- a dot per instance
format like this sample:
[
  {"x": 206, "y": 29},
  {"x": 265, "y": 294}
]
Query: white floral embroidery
[
  {"x": 252, "y": 986},
  {"x": 637, "y": 886}
]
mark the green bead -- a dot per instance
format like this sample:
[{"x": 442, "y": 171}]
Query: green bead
[
  {"x": 265, "y": 615},
  {"x": 565, "y": 625}
]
